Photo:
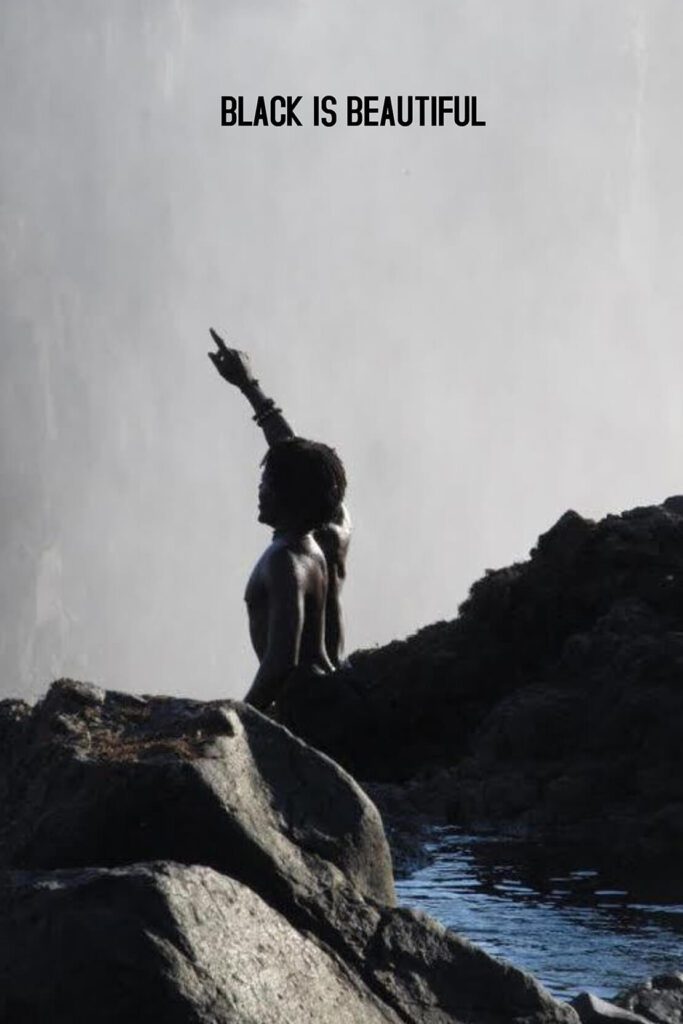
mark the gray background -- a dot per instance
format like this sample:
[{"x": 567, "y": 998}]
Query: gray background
[{"x": 483, "y": 321}]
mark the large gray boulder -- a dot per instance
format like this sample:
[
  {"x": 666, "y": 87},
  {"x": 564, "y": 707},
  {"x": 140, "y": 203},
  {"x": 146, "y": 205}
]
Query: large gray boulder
[
  {"x": 103, "y": 778},
  {"x": 164, "y": 942},
  {"x": 97, "y": 788}
]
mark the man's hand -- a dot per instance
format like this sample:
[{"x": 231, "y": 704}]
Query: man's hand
[{"x": 233, "y": 365}]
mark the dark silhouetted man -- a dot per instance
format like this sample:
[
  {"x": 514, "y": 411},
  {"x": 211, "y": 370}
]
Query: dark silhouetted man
[{"x": 293, "y": 593}]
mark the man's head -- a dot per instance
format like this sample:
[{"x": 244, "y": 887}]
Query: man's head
[{"x": 302, "y": 486}]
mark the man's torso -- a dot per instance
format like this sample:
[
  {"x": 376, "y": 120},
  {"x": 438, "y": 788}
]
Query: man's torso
[{"x": 310, "y": 572}]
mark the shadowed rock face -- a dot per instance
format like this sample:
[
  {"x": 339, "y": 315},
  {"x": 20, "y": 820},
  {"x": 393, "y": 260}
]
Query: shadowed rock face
[
  {"x": 593, "y": 1010},
  {"x": 660, "y": 999},
  {"x": 107, "y": 779},
  {"x": 552, "y": 702},
  {"x": 183, "y": 861}
]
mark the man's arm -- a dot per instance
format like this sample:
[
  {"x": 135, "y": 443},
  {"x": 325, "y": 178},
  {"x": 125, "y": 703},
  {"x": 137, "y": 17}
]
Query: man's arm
[
  {"x": 234, "y": 366},
  {"x": 285, "y": 625}
]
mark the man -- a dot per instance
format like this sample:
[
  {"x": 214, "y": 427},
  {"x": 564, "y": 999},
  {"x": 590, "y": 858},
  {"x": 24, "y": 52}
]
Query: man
[{"x": 293, "y": 594}]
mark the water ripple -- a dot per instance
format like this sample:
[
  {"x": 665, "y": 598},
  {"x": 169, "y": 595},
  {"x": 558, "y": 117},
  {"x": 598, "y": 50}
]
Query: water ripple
[{"x": 574, "y": 929}]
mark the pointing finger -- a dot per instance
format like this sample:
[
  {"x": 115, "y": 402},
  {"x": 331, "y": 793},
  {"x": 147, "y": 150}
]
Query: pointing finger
[{"x": 217, "y": 338}]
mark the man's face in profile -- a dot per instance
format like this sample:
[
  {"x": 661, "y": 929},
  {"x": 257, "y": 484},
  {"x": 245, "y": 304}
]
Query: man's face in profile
[{"x": 268, "y": 506}]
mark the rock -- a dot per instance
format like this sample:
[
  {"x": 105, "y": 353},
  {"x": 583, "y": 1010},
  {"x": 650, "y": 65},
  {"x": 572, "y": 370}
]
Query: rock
[
  {"x": 564, "y": 541},
  {"x": 105, "y": 782},
  {"x": 258, "y": 826},
  {"x": 660, "y": 999},
  {"x": 667, "y": 982},
  {"x": 674, "y": 504},
  {"x": 433, "y": 976},
  {"x": 102, "y": 778},
  {"x": 164, "y": 942},
  {"x": 408, "y": 824},
  {"x": 549, "y": 706},
  {"x": 593, "y": 1010},
  {"x": 184, "y": 943},
  {"x": 13, "y": 716}
]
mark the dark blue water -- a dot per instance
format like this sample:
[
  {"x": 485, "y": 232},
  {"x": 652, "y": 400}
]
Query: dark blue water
[{"x": 567, "y": 921}]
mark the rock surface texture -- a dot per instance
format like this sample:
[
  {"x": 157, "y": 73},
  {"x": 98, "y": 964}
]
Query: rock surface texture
[
  {"x": 593, "y": 1010},
  {"x": 656, "y": 1001},
  {"x": 660, "y": 999},
  {"x": 167, "y": 859},
  {"x": 552, "y": 704}
]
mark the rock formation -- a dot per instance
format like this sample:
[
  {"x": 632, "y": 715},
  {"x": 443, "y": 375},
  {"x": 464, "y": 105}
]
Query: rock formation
[
  {"x": 656, "y": 1001},
  {"x": 660, "y": 999},
  {"x": 552, "y": 704},
  {"x": 172, "y": 860}
]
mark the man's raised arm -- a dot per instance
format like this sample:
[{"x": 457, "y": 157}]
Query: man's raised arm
[{"x": 234, "y": 366}]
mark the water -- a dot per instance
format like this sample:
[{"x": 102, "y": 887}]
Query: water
[{"x": 569, "y": 923}]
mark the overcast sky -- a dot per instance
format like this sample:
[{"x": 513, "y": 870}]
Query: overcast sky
[{"x": 484, "y": 321}]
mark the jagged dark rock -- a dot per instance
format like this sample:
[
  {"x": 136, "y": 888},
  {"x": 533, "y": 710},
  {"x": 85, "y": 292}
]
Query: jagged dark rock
[
  {"x": 149, "y": 842},
  {"x": 593, "y": 1010},
  {"x": 660, "y": 999},
  {"x": 550, "y": 705}
]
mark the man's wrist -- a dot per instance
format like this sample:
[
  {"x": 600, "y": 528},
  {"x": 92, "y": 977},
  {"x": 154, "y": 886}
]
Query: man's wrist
[{"x": 266, "y": 409}]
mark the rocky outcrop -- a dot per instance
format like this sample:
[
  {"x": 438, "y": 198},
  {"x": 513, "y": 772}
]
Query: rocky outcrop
[
  {"x": 659, "y": 1000},
  {"x": 551, "y": 704},
  {"x": 656, "y": 1001},
  {"x": 593, "y": 1010},
  {"x": 173, "y": 860},
  {"x": 164, "y": 942},
  {"x": 110, "y": 779}
]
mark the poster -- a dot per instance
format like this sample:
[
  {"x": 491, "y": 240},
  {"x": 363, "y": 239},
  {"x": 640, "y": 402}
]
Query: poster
[{"x": 482, "y": 318}]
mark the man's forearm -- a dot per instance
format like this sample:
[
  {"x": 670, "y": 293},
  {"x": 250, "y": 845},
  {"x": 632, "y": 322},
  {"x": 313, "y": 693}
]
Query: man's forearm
[
  {"x": 267, "y": 415},
  {"x": 235, "y": 367}
]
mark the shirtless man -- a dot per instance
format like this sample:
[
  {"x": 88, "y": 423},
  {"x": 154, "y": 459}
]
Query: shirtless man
[{"x": 293, "y": 594}]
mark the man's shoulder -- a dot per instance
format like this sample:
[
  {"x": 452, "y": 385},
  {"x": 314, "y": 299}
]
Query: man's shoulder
[
  {"x": 342, "y": 520},
  {"x": 287, "y": 558},
  {"x": 278, "y": 555},
  {"x": 334, "y": 537},
  {"x": 339, "y": 527}
]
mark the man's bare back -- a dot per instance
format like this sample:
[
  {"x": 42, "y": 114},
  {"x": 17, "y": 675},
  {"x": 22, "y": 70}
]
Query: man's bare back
[{"x": 286, "y": 596}]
